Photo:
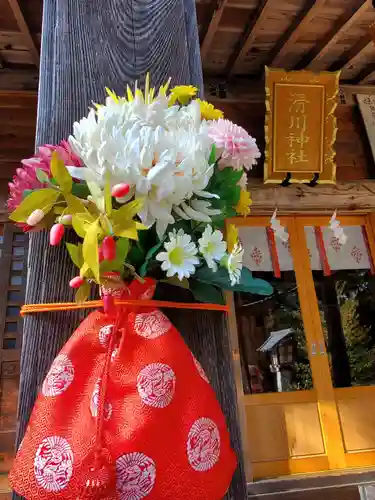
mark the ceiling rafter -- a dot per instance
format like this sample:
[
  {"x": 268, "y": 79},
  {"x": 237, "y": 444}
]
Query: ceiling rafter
[
  {"x": 257, "y": 19},
  {"x": 346, "y": 60},
  {"x": 367, "y": 75},
  {"x": 343, "y": 24},
  {"x": 310, "y": 10},
  {"x": 22, "y": 24},
  {"x": 212, "y": 27}
]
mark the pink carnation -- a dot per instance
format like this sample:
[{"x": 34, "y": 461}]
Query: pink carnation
[
  {"x": 25, "y": 177},
  {"x": 235, "y": 147}
]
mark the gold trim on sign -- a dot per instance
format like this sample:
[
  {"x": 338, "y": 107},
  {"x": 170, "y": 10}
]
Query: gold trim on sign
[{"x": 328, "y": 131}]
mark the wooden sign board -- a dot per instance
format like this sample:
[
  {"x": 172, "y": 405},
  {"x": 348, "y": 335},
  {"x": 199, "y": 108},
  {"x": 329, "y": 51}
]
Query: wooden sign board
[
  {"x": 367, "y": 107},
  {"x": 300, "y": 127}
]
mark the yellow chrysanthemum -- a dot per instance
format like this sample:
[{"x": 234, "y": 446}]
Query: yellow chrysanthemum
[
  {"x": 244, "y": 203},
  {"x": 232, "y": 237},
  {"x": 208, "y": 111},
  {"x": 182, "y": 94}
]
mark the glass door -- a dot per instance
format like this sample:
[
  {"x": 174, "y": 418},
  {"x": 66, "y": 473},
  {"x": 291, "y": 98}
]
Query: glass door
[
  {"x": 342, "y": 274},
  {"x": 288, "y": 429}
]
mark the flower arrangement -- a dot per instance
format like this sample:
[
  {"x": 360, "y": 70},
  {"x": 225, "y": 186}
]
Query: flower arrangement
[{"x": 146, "y": 181}]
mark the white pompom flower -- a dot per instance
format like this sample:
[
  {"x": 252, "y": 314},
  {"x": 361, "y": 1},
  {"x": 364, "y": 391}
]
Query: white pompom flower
[
  {"x": 212, "y": 247},
  {"x": 161, "y": 152},
  {"x": 180, "y": 256}
]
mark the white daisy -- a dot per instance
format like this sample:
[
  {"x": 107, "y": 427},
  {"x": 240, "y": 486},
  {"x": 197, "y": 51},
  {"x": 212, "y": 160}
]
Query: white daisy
[
  {"x": 212, "y": 247},
  {"x": 234, "y": 264},
  {"x": 180, "y": 255}
]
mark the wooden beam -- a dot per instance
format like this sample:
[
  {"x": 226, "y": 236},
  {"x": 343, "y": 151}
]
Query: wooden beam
[
  {"x": 252, "y": 91},
  {"x": 212, "y": 28},
  {"x": 293, "y": 33},
  {"x": 351, "y": 16},
  {"x": 257, "y": 20},
  {"x": 346, "y": 60},
  {"x": 367, "y": 75},
  {"x": 22, "y": 24},
  {"x": 19, "y": 79},
  {"x": 139, "y": 40},
  {"x": 345, "y": 196}
]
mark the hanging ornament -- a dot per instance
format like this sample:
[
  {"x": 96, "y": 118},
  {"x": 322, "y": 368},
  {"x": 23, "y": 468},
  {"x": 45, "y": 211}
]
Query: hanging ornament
[
  {"x": 278, "y": 229},
  {"x": 338, "y": 231}
]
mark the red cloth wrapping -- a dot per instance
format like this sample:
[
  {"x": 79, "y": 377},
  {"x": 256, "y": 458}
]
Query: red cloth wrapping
[{"x": 161, "y": 423}]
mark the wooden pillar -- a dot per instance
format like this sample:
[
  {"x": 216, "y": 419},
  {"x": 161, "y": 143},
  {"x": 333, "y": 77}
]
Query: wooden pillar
[{"x": 87, "y": 45}]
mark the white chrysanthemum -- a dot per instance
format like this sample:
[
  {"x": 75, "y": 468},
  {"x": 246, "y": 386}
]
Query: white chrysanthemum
[
  {"x": 212, "y": 247},
  {"x": 179, "y": 256},
  {"x": 161, "y": 152},
  {"x": 234, "y": 264}
]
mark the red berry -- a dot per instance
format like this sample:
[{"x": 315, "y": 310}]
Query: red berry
[
  {"x": 109, "y": 248},
  {"x": 76, "y": 282},
  {"x": 56, "y": 234},
  {"x": 120, "y": 190},
  {"x": 101, "y": 256}
]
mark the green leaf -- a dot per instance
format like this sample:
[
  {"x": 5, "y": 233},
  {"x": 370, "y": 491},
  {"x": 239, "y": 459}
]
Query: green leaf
[
  {"x": 43, "y": 199},
  {"x": 90, "y": 249},
  {"x": 75, "y": 252},
  {"x": 60, "y": 173},
  {"x": 82, "y": 293},
  {"x": 80, "y": 190},
  {"x": 123, "y": 215},
  {"x": 252, "y": 285},
  {"x": 122, "y": 248},
  {"x": 81, "y": 223},
  {"x": 42, "y": 176},
  {"x": 184, "y": 283},
  {"x": 96, "y": 192},
  {"x": 204, "y": 292},
  {"x": 212, "y": 158},
  {"x": 75, "y": 205},
  {"x": 221, "y": 280},
  {"x": 136, "y": 255},
  {"x": 149, "y": 256},
  {"x": 107, "y": 194},
  {"x": 26, "y": 192}
]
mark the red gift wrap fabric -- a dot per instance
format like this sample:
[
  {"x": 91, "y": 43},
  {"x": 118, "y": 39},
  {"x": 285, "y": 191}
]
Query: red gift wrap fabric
[{"x": 159, "y": 426}]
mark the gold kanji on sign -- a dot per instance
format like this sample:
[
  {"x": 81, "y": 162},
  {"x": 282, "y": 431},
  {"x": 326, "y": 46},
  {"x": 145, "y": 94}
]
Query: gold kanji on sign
[{"x": 300, "y": 126}]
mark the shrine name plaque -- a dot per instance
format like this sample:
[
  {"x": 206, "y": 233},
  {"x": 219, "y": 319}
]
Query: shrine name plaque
[{"x": 300, "y": 126}]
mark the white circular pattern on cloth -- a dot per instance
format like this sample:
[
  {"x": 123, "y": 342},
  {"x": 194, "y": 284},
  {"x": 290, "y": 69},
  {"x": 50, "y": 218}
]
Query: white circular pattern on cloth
[
  {"x": 151, "y": 325},
  {"x": 136, "y": 474},
  {"x": 94, "y": 403},
  {"x": 105, "y": 334},
  {"x": 53, "y": 464},
  {"x": 203, "y": 445},
  {"x": 59, "y": 377},
  {"x": 156, "y": 385},
  {"x": 200, "y": 370}
]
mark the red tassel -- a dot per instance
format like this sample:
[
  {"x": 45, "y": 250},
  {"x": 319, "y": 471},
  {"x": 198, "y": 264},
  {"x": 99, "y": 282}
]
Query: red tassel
[
  {"x": 365, "y": 237},
  {"x": 273, "y": 252},
  {"x": 100, "y": 474},
  {"x": 322, "y": 251}
]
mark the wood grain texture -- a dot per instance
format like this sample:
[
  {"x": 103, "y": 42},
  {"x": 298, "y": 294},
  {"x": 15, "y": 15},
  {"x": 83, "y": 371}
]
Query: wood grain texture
[
  {"x": 255, "y": 23},
  {"x": 345, "y": 196},
  {"x": 22, "y": 24},
  {"x": 296, "y": 30},
  {"x": 212, "y": 28},
  {"x": 85, "y": 47},
  {"x": 342, "y": 25}
]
